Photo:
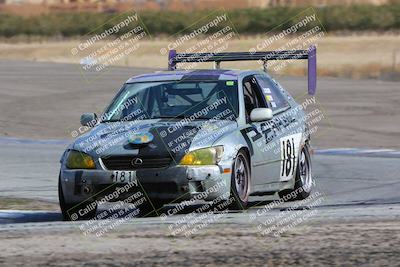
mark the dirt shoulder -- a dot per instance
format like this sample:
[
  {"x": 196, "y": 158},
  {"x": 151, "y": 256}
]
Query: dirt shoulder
[
  {"x": 360, "y": 56},
  {"x": 26, "y": 204},
  {"x": 366, "y": 243}
]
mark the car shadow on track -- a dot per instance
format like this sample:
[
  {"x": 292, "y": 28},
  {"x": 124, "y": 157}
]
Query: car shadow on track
[
  {"x": 25, "y": 216},
  {"x": 28, "y": 216}
]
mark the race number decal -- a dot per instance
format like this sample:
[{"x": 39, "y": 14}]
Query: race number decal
[{"x": 289, "y": 153}]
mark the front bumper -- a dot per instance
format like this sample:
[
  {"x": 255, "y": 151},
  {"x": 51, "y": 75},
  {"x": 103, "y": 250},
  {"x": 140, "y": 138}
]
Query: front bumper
[{"x": 174, "y": 184}]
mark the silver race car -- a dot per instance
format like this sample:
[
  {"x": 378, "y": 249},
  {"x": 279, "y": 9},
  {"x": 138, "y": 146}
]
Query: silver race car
[{"x": 176, "y": 136}]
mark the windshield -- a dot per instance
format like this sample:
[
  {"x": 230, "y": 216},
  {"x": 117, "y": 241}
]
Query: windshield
[{"x": 175, "y": 99}]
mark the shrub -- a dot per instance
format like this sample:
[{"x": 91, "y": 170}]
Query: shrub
[{"x": 245, "y": 21}]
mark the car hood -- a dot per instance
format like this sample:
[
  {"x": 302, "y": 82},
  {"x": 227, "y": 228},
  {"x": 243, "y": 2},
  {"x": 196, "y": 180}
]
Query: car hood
[{"x": 170, "y": 137}]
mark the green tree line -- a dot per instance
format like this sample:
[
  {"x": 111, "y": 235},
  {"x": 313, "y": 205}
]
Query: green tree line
[{"x": 244, "y": 21}]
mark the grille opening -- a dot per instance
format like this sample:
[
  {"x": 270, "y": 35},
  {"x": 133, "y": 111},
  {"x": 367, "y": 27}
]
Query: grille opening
[{"x": 131, "y": 163}]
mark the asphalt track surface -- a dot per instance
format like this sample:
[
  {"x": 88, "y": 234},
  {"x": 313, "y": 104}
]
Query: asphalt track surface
[
  {"x": 41, "y": 99},
  {"x": 367, "y": 182},
  {"x": 354, "y": 224}
]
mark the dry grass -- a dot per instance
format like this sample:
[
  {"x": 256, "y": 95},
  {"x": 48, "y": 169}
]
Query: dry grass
[
  {"x": 26, "y": 204},
  {"x": 348, "y": 56}
]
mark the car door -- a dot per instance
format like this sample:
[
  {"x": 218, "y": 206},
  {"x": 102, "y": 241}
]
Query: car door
[
  {"x": 286, "y": 133},
  {"x": 265, "y": 164}
]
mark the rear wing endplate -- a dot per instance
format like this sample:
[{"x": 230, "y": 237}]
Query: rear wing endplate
[{"x": 217, "y": 58}]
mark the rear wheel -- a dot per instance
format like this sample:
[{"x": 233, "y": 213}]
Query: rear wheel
[
  {"x": 240, "y": 182},
  {"x": 70, "y": 211},
  {"x": 303, "y": 179}
]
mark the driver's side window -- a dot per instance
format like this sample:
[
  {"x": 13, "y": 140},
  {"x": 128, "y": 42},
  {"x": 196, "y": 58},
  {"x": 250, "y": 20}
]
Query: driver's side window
[{"x": 252, "y": 95}]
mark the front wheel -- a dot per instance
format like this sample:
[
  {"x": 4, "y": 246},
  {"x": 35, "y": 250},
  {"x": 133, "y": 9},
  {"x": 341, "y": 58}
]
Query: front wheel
[{"x": 240, "y": 182}]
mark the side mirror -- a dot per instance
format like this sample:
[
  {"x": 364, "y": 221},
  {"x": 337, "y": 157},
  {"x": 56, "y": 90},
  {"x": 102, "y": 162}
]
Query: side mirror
[
  {"x": 261, "y": 114},
  {"x": 88, "y": 119}
]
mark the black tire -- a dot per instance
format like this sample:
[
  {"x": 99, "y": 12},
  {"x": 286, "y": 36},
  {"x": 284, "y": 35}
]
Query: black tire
[
  {"x": 303, "y": 179},
  {"x": 240, "y": 182},
  {"x": 70, "y": 211}
]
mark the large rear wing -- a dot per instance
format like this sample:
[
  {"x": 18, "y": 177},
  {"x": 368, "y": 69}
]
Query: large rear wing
[{"x": 217, "y": 58}]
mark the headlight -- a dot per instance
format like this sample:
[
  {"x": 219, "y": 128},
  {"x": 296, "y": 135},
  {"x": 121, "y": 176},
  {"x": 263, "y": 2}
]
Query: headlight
[
  {"x": 204, "y": 156},
  {"x": 79, "y": 160}
]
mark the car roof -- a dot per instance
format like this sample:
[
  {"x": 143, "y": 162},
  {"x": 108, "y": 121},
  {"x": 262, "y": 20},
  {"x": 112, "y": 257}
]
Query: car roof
[{"x": 198, "y": 75}]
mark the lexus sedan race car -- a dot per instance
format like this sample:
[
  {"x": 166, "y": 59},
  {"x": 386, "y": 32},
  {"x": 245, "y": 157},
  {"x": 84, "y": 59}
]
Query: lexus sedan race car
[{"x": 175, "y": 136}]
